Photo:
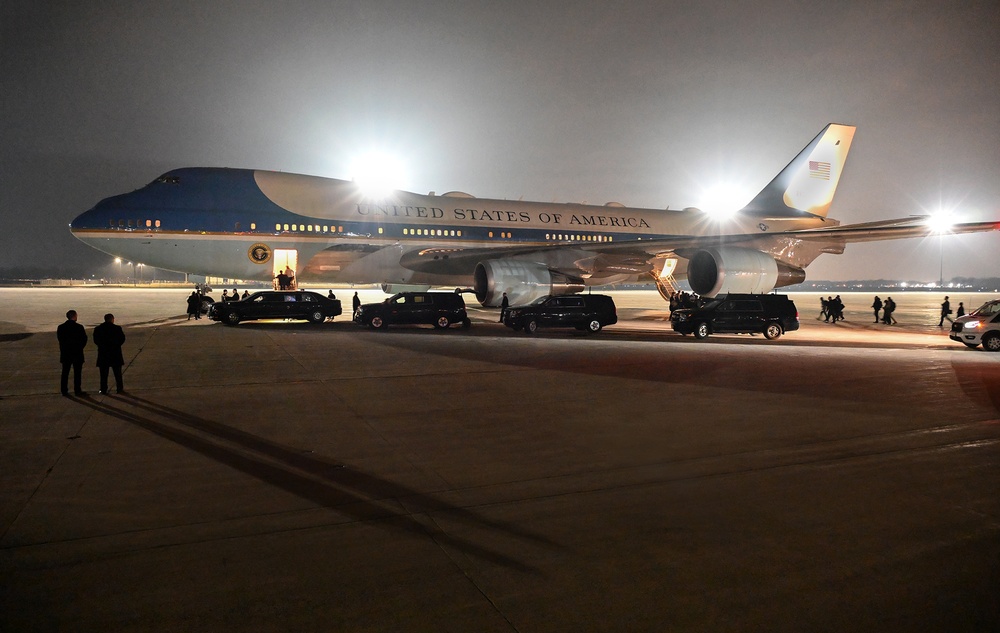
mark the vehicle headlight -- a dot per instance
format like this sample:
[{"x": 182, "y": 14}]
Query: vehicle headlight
[{"x": 972, "y": 325}]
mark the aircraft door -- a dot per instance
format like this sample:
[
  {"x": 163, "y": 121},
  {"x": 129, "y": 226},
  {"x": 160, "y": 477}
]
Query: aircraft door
[{"x": 285, "y": 259}]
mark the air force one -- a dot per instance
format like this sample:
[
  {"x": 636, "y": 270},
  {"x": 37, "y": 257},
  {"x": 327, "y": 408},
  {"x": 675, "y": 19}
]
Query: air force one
[{"x": 247, "y": 224}]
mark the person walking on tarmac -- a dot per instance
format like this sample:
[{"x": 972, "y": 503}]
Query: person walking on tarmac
[
  {"x": 109, "y": 339},
  {"x": 945, "y": 311},
  {"x": 877, "y": 306}
]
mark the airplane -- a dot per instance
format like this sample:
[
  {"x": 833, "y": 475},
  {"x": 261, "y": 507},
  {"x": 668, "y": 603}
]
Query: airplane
[{"x": 252, "y": 224}]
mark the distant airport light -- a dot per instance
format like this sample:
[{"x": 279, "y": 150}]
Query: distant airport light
[
  {"x": 722, "y": 201},
  {"x": 378, "y": 174}
]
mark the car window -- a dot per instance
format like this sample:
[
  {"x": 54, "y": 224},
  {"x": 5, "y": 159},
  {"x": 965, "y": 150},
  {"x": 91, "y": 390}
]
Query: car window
[
  {"x": 748, "y": 306},
  {"x": 421, "y": 299},
  {"x": 258, "y": 299},
  {"x": 988, "y": 309},
  {"x": 290, "y": 298},
  {"x": 575, "y": 302},
  {"x": 306, "y": 297}
]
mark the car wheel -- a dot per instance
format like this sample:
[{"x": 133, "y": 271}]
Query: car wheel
[
  {"x": 701, "y": 330},
  {"x": 772, "y": 331},
  {"x": 442, "y": 322},
  {"x": 378, "y": 323},
  {"x": 232, "y": 318},
  {"x": 531, "y": 326},
  {"x": 317, "y": 316},
  {"x": 593, "y": 326},
  {"x": 991, "y": 342}
]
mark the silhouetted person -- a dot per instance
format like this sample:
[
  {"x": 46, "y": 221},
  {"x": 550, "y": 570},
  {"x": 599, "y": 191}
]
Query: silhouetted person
[
  {"x": 194, "y": 306},
  {"x": 877, "y": 306},
  {"x": 889, "y": 308},
  {"x": 945, "y": 311},
  {"x": 245, "y": 294},
  {"x": 960, "y": 312},
  {"x": 355, "y": 303},
  {"x": 330, "y": 295},
  {"x": 72, "y": 339},
  {"x": 225, "y": 295},
  {"x": 504, "y": 304},
  {"x": 109, "y": 339}
]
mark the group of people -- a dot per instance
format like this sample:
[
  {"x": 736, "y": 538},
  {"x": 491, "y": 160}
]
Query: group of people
[
  {"x": 108, "y": 338},
  {"x": 886, "y": 308},
  {"x": 235, "y": 296},
  {"x": 683, "y": 299},
  {"x": 831, "y": 309},
  {"x": 285, "y": 280}
]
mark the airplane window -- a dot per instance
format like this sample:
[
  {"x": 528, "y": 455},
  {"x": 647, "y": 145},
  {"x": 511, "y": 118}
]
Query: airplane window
[
  {"x": 325, "y": 228},
  {"x": 380, "y": 230},
  {"x": 286, "y": 227},
  {"x": 253, "y": 226},
  {"x": 157, "y": 224},
  {"x": 169, "y": 180},
  {"x": 491, "y": 233},
  {"x": 112, "y": 223},
  {"x": 460, "y": 234},
  {"x": 310, "y": 227}
]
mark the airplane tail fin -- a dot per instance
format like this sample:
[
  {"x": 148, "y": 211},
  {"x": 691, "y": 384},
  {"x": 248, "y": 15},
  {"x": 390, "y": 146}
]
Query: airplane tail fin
[{"x": 805, "y": 187}]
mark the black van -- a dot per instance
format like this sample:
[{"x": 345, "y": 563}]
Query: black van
[
  {"x": 588, "y": 313},
  {"x": 770, "y": 315},
  {"x": 439, "y": 309}
]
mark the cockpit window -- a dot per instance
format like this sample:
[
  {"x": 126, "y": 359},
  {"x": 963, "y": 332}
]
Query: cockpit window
[{"x": 169, "y": 180}]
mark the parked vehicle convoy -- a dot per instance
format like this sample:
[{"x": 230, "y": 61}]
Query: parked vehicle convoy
[
  {"x": 440, "y": 309},
  {"x": 587, "y": 312},
  {"x": 268, "y": 304},
  {"x": 768, "y": 314},
  {"x": 981, "y": 326}
]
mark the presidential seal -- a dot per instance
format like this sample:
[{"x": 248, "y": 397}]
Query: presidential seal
[{"x": 259, "y": 253}]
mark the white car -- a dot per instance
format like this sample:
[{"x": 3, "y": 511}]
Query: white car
[{"x": 979, "y": 326}]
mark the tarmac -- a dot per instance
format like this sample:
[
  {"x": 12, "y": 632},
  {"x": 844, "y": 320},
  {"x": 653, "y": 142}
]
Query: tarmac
[{"x": 283, "y": 476}]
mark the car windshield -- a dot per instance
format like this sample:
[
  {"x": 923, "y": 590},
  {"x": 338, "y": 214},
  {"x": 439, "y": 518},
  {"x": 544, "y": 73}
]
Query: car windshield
[
  {"x": 987, "y": 309},
  {"x": 540, "y": 300}
]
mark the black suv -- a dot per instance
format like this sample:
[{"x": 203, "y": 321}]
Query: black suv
[
  {"x": 589, "y": 313},
  {"x": 268, "y": 304},
  {"x": 770, "y": 315},
  {"x": 439, "y": 309}
]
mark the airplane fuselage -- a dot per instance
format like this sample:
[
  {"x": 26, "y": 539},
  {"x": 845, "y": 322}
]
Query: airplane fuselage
[{"x": 229, "y": 222}]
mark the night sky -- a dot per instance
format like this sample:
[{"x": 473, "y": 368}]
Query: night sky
[{"x": 643, "y": 103}]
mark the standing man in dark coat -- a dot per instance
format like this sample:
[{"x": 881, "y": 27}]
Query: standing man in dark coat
[
  {"x": 877, "y": 306},
  {"x": 109, "y": 339},
  {"x": 355, "y": 303},
  {"x": 504, "y": 304},
  {"x": 72, "y": 339}
]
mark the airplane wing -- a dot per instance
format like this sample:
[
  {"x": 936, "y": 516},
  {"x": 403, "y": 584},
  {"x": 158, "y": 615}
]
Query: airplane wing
[{"x": 450, "y": 260}]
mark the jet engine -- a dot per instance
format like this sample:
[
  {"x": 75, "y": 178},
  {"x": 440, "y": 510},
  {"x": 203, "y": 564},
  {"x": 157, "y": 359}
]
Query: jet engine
[
  {"x": 715, "y": 271},
  {"x": 523, "y": 282}
]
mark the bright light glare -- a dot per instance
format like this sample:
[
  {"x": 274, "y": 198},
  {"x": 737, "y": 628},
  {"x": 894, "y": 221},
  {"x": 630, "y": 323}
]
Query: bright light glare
[
  {"x": 378, "y": 174},
  {"x": 722, "y": 201},
  {"x": 941, "y": 222}
]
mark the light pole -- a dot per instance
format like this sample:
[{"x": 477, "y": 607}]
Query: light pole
[
  {"x": 118, "y": 260},
  {"x": 140, "y": 273},
  {"x": 133, "y": 272}
]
